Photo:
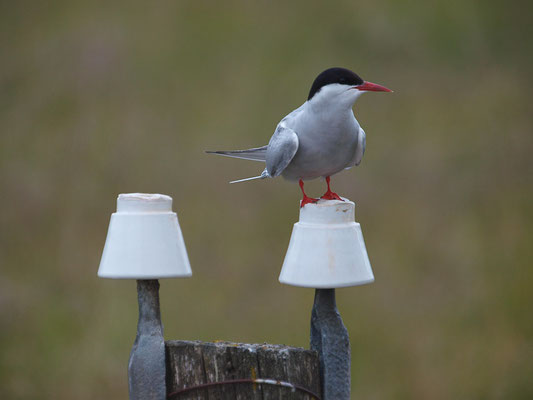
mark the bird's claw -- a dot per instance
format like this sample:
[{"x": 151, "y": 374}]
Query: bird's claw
[
  {"x": 329, "y": 195},
  {"x": 307, "y": 200}
]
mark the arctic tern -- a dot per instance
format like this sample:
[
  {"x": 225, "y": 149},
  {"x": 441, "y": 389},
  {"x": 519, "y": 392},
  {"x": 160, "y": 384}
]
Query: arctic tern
[{"x": 318, "y": 139}]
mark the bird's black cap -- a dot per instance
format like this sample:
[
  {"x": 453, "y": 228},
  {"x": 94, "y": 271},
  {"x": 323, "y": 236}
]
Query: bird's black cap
[{"x": 334, "y": 75}]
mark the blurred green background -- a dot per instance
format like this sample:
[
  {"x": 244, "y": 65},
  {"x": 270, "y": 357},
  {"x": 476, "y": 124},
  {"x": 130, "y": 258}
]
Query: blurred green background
[{"x": 101, "y": 98}]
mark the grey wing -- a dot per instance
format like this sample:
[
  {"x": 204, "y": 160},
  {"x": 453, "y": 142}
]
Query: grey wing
[
  {"x": 360, "y": 149},
  {"x": 281, "y": 150}
]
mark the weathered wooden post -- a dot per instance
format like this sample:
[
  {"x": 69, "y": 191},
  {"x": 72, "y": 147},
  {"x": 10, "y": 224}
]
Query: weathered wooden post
[
  {"x": 223, "y": 370},
  {"x": 327, "y": 251},
  {"x": 144, "y": 242}
]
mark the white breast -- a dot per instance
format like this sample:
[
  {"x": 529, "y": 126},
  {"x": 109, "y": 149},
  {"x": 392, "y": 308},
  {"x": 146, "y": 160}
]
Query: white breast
[{"x": 328, "y": 141}]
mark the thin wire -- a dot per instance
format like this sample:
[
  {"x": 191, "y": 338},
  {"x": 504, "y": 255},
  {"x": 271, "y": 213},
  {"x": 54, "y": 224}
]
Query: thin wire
[{"x": 291, "y": 386}]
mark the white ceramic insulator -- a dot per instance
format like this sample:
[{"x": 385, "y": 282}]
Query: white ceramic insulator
[
  {"x": 144, "y": 240},
  {"x": 327, "y": 249}
]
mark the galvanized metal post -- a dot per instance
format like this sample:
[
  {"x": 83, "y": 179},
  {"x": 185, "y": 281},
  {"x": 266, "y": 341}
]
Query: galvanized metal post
[
  {"x": 146, "y": 369},
  {"x": 329, "y": 337}
]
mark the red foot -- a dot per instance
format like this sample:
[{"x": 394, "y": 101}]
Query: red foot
[
  {"x": 329, "y": 195},
  {"x": 306, "y": 199}
]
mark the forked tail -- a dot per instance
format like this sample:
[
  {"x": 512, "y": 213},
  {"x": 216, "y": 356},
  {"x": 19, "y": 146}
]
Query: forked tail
[
  {"x": 255, "y": 154},
  {"x": 263, "y": 175}
]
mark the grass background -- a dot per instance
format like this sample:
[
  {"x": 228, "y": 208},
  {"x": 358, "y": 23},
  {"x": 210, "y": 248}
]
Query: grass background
[{"x": 100, "y": 98}]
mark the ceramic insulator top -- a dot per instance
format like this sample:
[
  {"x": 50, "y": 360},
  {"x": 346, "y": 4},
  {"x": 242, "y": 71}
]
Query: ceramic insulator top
[
  {"x": 143, "y": 203},
  {"x": 328, "y": 212}
]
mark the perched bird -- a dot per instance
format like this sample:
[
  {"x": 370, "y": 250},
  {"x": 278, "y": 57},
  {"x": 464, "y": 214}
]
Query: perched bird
[{"x": 318, "y": 139}]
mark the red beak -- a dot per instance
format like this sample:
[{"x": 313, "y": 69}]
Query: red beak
[{"x": 372, "y": 87}]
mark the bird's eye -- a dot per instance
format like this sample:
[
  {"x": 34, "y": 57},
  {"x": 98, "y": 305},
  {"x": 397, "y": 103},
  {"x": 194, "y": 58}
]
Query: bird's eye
[{"x": 342, "y": 81}]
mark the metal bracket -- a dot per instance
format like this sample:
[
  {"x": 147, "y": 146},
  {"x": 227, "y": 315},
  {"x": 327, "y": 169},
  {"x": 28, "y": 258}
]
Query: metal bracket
[
  {"x": 146, "y": 368},
  {"x": 329, "y": 337}
]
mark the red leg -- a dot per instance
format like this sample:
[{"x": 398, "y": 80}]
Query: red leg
[
  {"x": 306, "y": 199},
  {"x": 329, "y": 195}
]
